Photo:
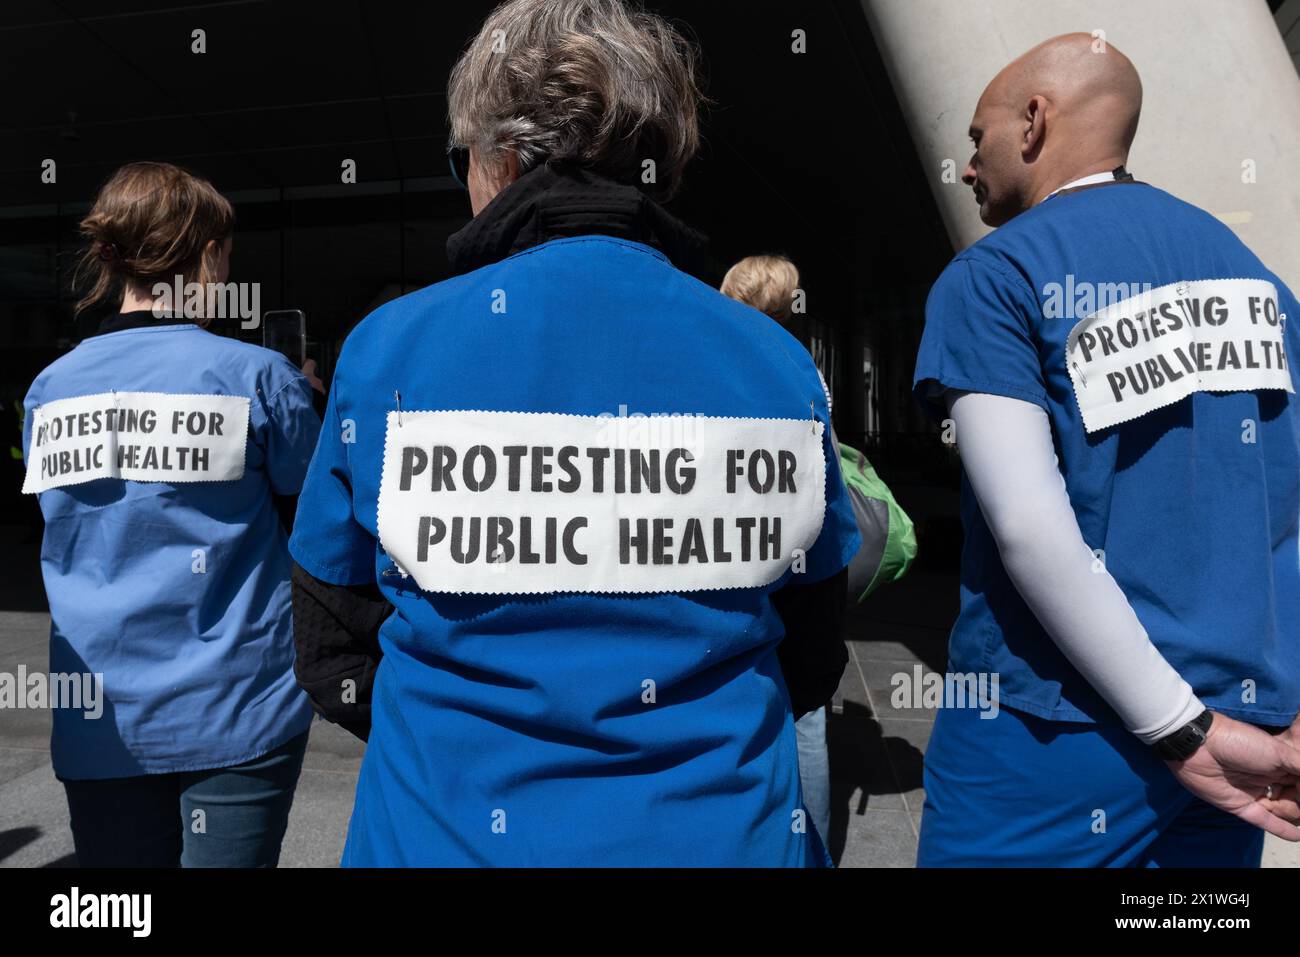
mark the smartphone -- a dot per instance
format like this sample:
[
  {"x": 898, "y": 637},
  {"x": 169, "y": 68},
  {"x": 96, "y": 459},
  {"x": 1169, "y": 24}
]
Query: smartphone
[{"x": 285, "y": 331}]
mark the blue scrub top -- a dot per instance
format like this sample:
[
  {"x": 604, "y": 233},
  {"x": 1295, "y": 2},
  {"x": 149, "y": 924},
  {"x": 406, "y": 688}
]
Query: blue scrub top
[
  {"x": 1192, "y": 506},
  {"x": 512, "y": 729},
  {"x": 196, "y": 652}
]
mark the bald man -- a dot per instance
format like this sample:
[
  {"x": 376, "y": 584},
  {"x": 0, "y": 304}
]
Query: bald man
[{"x": 1117, "y": 368}]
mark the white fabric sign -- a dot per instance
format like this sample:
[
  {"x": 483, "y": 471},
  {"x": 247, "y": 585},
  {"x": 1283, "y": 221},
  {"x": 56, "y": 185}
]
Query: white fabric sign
[
  {"x": 528, "y": 503},
  {"x": 1152, "y": 349},
  {"x": 138, "y": 436}
]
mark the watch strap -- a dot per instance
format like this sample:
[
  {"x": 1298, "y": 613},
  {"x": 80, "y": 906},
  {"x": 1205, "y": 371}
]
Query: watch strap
[{"x": 1183, "y": 743}]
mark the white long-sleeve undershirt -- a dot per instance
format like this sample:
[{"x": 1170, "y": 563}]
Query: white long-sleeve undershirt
[{"x": 1010, "y": 461}]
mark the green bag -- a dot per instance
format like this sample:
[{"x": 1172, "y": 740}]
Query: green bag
[{"x": 888, "y": 538}]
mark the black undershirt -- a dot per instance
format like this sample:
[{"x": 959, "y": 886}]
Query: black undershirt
[{"x": 137, "y": 319}]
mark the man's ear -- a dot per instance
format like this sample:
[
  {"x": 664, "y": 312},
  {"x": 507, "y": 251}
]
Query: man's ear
[{"x": 1035, "y": 125}]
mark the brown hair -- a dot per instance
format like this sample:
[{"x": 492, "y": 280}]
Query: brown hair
[
  {"x": 768, "y": 283},
  {"x": 150, "y": 223}
]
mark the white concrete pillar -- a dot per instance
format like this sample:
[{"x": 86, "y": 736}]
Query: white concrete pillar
[{"x": 1221, "y": 100}]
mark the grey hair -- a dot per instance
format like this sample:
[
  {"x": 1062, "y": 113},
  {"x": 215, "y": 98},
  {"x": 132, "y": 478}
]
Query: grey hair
[{"x": 602, "y": 83}]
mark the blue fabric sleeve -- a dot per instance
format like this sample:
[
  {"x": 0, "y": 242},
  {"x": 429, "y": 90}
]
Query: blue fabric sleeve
[
  {"x": 29, "y": 403},
  {"x": 838, "y": 540},
  {"x": 978, "y": 337},
  {"x": 327, "y": 539},
  {"x": 292, "y": 429}
]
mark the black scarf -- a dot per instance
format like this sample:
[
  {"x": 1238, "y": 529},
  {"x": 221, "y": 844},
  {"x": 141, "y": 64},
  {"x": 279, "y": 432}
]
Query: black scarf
[{"x": 559, "y": 199}]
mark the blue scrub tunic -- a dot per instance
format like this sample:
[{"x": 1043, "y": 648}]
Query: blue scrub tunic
[
  {"x": 563, "y": 727},
  {"x": 1157, "y": 344},
  {"x": 177, "y": 593}
]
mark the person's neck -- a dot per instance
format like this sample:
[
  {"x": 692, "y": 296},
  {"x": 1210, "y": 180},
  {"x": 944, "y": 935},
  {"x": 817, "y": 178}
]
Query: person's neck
[
  {"x": 134, "y": 299},
  {"x": 1052, "y": 180}
]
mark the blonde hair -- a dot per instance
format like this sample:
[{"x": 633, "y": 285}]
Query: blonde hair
[
  {"x": 601, "y": 83},
  {"x": 150, "y": 223},
  {"x": 768, "y": 283}
]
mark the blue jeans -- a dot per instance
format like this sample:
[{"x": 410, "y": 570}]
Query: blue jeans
[
  {"x": 815, "y": 769},
  {"x": 224, "y": 817}
]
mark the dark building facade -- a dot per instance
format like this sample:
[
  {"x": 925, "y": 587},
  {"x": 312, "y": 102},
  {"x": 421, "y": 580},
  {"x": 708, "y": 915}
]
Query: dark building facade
[{"x": 806, "y": 154}]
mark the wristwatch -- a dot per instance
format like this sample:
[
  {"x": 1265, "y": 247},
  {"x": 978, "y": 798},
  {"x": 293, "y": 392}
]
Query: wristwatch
[{"x": 1182, "y": 744}]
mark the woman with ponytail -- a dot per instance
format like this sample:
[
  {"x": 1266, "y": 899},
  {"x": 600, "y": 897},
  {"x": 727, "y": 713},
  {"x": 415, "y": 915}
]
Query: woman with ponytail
[{"x": 163, "y": 456}]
